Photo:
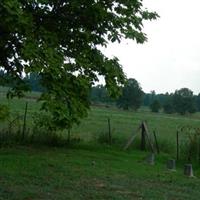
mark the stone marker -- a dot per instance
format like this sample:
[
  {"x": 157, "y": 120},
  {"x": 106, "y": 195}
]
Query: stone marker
[
  {"x": 171, "y": 164},
  {"x": 93, "y": 163},
  {"x": 150, "y": 159},
  {"x": 188, "y": 170}
]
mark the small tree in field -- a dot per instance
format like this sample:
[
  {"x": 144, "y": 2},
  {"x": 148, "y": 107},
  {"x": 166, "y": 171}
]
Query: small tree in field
[{"x": 155, "y": 106}]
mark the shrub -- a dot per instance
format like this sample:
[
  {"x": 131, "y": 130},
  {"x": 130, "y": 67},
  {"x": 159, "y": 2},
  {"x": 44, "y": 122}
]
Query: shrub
[
  {"x": 190, "y": 144},
  {"x": 4, "y": 112},
  {"x": 155, "y": 106},
  {"x": 168, "y": 108}
]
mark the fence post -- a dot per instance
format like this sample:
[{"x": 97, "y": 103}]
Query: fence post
[
  {"x": 156, "y": 141},
  {"x": 109, "y": 132},
  {"x": 24, "y": 124}
]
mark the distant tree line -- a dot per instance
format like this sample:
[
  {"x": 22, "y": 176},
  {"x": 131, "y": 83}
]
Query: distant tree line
[
  {"x": 32, "y": 79},
  {"x": 131, "y": 95},
  {"x": 182, "y": 101}
]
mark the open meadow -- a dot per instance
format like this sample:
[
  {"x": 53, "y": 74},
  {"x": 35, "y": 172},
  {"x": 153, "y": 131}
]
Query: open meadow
[
  {"x": 92, "y": 169},
  {"x": 123, "y": 123},
  {"x": 116, "y": 115}
]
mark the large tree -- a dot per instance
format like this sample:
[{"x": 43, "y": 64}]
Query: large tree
[
  {"x": 132, "y": 95},
  {"x": 59, "y": 41},
  {"x": 184, "y": 101},
  {"x": 197, "y": 100},
  {"x": 99, "y": 94},
  {"x": 33, "y": 80}
]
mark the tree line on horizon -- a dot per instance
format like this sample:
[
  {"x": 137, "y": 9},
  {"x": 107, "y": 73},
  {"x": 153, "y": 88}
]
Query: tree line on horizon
[{"x": 182, "y": 101}]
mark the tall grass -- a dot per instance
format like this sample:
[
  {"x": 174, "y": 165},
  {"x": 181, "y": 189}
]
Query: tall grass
[{"x": 123, "y": 123}]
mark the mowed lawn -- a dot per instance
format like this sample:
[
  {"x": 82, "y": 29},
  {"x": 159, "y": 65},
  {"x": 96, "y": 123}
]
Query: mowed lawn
[{"x": 90, "y": 173}]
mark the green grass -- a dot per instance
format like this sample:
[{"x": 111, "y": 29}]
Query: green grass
[
  {"x": 123, "y": 123},
  {"x": 17, "y": 106},
  {"x": 89, "y": 170},
  {"x": 90, "y": 173}
]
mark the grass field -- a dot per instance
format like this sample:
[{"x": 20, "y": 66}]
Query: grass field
[
  {"x": 123, "y": 123},
  {"x": 90, "y": 173},
  {"x": 92, "y": 170}
]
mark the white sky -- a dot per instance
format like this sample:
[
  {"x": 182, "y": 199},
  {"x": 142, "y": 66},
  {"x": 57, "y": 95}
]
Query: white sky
[{"x": 170, "y": 59}]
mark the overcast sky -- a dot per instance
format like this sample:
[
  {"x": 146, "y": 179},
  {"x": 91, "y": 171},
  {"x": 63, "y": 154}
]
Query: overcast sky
[{"x": 170, "y": 59}]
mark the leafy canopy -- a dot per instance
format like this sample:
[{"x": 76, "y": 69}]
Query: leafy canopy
[{"x": 59, "y": 41}]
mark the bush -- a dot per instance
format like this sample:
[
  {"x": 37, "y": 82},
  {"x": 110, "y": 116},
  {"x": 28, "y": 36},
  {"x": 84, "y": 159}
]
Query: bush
[
  {"x": 43, "y": 130},
  {"x": 190, "y": 144},
  {"x": 43, "y": 122},
  {"x": 103, "y": 138},
  {"x": 168, "y": 108},
  {"x": 4, "y": 112},
  {"x": 155, "y": 106}
]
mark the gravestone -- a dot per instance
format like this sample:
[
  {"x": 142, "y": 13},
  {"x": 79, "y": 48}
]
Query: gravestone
[
  {"x": 171, "y": 164},
  {"x": 150, "y": 159},
  {"x": 188, "y": 171}
]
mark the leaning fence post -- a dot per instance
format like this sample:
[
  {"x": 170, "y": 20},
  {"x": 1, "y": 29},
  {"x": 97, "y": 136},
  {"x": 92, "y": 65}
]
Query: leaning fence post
[{"x": 24, "y": 124}]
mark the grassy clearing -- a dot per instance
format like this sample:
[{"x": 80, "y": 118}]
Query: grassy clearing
[
  {"x": 123, "y": 123},
  {"x": 17, "y": 105},
  {"x": 96, "y": 171},
  {"x": 89, "y": 173}
]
